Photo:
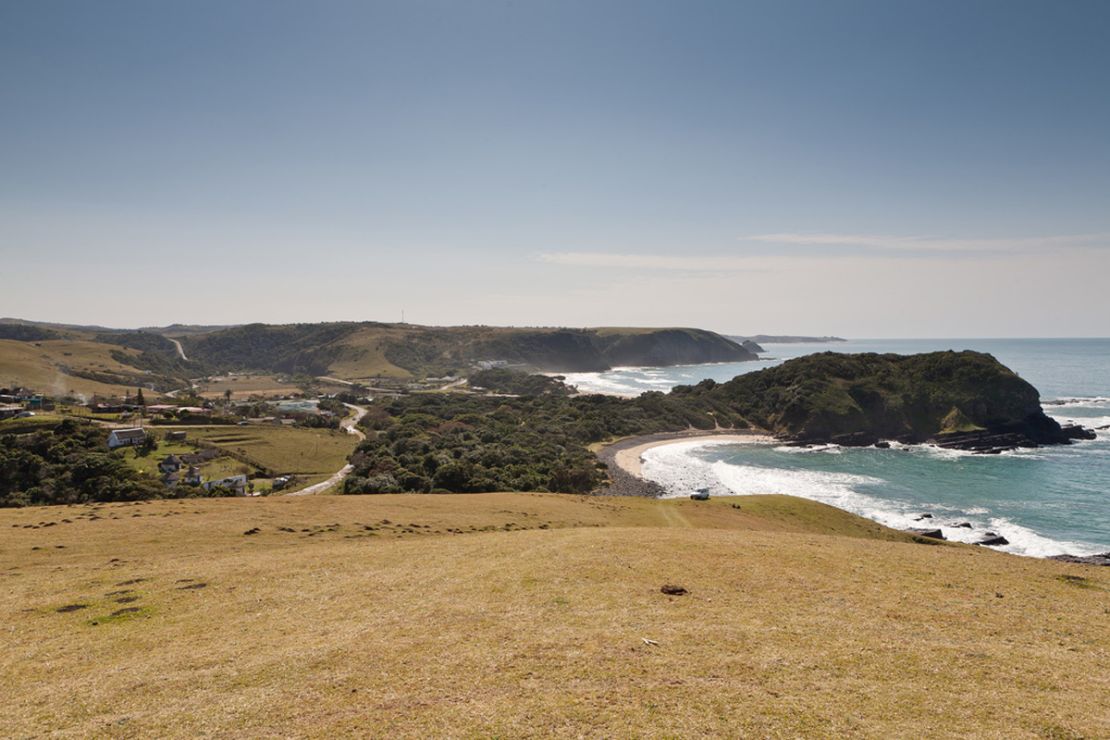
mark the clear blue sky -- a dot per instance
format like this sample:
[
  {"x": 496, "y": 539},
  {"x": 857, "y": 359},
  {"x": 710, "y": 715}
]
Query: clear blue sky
[{"x": 861, "y": 168}]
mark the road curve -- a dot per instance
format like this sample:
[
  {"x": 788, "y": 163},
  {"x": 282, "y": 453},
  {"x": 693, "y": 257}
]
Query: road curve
[
  {"x": 180, "y": 349},
  {"x": 351, "y": 425}
]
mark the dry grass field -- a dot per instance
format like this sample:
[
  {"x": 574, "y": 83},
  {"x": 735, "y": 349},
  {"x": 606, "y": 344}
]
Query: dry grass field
[
  {"x": 43, "y": 366},
  {"x": 526, "y": 615},
  {"x": 311, "y": 454},
  {"x": 245, "y": 386}
]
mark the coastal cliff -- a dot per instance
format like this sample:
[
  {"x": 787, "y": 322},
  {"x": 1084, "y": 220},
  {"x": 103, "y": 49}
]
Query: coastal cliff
[{"x": 966, "y": 400}]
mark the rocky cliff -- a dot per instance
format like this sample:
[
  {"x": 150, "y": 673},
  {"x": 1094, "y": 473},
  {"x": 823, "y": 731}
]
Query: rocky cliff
[{"x": 965, "y": 400}]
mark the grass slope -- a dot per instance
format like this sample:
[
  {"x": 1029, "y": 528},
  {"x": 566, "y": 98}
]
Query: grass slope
[
  {"x": 48, "y": 366},
  {"x": 524, "y": 615}
]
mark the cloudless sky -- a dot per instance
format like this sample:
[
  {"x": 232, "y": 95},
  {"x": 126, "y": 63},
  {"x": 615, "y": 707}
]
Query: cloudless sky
[{"x": 863, "y": 168}]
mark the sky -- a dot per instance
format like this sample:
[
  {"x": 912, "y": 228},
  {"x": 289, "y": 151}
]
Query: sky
[{"x": 861, "y": 168}]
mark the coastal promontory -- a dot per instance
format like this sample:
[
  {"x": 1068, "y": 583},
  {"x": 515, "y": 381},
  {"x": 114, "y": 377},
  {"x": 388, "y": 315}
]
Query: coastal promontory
[{"x": 964, "y": 399}]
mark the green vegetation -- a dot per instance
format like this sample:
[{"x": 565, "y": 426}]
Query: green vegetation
[
  {"x": 467, "y": 443},
  {"x": 104, "y": 360},
  {"x": 365, "y": 349},
  {"x": 70, "y": 464},
  {"x": 291, "y": 348},
  {"x": 462, "y": 443},
  {"x": 911, "y": 398},
  {"x": 500, "y": 380},
  {"x": 157, "y": 355},
  {"x": 26, "y": 332}
]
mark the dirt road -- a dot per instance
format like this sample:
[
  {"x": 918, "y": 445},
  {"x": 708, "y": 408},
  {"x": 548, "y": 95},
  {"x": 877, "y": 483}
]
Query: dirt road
[{"x": 351, "y": 425}]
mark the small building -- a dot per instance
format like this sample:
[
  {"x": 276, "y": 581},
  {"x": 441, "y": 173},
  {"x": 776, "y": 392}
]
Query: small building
[
  {"x": 9, "y": 411},
  {"x": 170, "y": 464},
  {"x": 200, "y": 456},
  {"x": 171, "y": 479},
  {"x": 176, "y": 436},
  {"x": 126, "y": 437},
  {"x": 192, "y": 476},
  {"x": 237, "y": 483}
]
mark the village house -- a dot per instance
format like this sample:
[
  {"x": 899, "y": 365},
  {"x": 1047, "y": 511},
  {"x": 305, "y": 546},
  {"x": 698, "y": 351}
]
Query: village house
[
  {"x": 126, "y": 437},
  {"x": 236, "y": 483},
  {"x": 170, "y": 464},
  {"x": 192, "y": 476}
]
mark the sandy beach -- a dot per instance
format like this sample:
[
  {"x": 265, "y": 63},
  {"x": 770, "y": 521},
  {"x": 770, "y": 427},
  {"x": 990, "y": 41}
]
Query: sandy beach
[
  {"x": 624, "y": 458},
  {"x": 630, "y": 458}
]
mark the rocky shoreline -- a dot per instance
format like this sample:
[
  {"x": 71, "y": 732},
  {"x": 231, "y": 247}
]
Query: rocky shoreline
[{"x": 981, "y": 442}]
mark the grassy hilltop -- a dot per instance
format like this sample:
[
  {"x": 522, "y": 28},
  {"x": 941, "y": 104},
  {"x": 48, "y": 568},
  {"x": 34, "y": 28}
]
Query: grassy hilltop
[{"x": 527, "y": 615}]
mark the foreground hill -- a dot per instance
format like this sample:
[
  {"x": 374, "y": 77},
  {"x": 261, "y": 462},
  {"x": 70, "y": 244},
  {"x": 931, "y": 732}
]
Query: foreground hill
[{"x": 527, "y": 615}]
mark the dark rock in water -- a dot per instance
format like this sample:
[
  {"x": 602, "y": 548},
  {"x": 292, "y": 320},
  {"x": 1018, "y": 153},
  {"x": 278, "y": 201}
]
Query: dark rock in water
[
  {"x": 1074, "y": 431},
  {"x": 935, "y": 534},
  {"x": 854, "y": 439},
  {"x": 993, "y": 541},
  {"x": 1032, "y": 433},
  {"x": 964, "y": 525},
  {"x": 1100, "y": 559},
  {"x": 883, "y": 445},
  {"x": 672, "y": 590},
  {"x": 923, "y": 516}
]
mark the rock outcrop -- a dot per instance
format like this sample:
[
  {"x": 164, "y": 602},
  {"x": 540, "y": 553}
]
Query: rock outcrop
[
  {"x": 958, "y": 400},
  {"x": 1100, "y": 559}
]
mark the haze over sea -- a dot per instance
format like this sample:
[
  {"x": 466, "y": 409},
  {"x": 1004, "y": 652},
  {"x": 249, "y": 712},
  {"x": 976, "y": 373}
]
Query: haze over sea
[{"x": 1045, "y": 501}]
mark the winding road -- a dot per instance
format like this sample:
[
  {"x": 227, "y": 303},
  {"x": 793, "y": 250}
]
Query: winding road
[
  {"x": 180, "y": 349},
  {"x": 351, "y": 425}
]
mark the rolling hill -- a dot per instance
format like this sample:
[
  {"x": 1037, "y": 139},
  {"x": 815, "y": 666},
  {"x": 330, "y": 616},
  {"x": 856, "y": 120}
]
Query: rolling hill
[{"x": 91, "y": 359}]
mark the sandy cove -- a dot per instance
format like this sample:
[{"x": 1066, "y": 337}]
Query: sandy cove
[{"x": 624, "y": 458}]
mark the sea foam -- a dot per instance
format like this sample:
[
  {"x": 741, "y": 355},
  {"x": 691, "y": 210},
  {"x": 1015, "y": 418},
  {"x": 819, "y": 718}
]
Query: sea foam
[{"x": 679, "y": 469}]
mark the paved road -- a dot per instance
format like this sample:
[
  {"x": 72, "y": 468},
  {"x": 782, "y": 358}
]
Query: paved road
[
  {"x": 330, "y": 379},
  {"x": 180, "y": 350},
  {"x": 351, "y": 426}
]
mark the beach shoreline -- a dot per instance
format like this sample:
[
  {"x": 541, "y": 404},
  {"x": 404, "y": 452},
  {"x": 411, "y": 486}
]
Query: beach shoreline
[{"x": 624, "y": 457}]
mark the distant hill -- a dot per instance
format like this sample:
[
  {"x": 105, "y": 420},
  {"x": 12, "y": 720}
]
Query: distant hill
[
  {"x": 785, "y": 339},
  {"x": 64, "y": 358},
  {"x": 362, "y": 350}
]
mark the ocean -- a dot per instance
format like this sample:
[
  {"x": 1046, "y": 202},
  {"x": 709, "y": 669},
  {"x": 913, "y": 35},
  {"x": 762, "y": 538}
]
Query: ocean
[{"x": 1045, "y": 501}]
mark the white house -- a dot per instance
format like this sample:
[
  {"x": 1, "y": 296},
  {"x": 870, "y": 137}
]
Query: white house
[
  {"x": 237, "y": 483},
  {"x": 126, "y": 437}
]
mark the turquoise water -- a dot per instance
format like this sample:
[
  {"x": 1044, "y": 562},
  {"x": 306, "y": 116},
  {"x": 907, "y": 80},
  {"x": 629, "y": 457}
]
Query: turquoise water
[{"x": 1045, "y": 501}]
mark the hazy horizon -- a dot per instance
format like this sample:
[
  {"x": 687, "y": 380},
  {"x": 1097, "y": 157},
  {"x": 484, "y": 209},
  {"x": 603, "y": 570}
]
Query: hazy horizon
[{"x": 862, "y": 169}]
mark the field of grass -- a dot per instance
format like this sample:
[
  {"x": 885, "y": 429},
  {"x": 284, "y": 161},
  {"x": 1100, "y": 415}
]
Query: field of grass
[
  {"x": 311, "y": 454},
  {"x": 533, "y": 615},
  {"x": 245, "y": 386},
  {"x": 42, "y": 366}
]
